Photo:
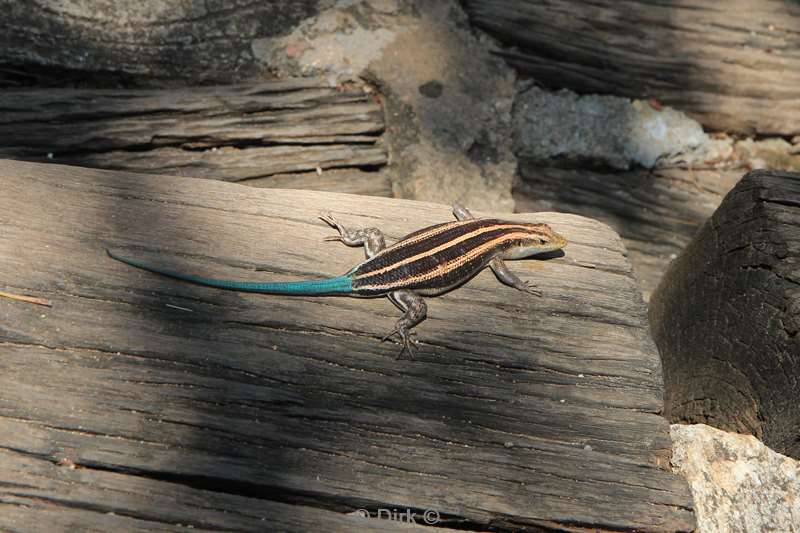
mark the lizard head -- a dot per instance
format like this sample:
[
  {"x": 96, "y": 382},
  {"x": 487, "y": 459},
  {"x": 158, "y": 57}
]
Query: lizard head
[{"x": 534, "y": 239}]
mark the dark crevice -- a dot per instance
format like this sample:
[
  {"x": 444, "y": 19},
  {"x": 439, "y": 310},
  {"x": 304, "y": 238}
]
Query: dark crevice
[
  {"x": 243, "y": 144},
  {"x": 789, "y": 202},
  {"x": 109, "y": 509},
  {"x": 22, "y": 75},
  {"x": 205, "y": 145},
  {"x": 369, "y": 168}
]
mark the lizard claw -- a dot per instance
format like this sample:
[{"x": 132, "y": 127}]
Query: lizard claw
[
  {"x": 329, "y": 220},
  {"x": 386, "y": 338},
  {"x": 526, "y": 286},
  {"x": 531, "y": 289},
  {"x": 409, "y": 343}
]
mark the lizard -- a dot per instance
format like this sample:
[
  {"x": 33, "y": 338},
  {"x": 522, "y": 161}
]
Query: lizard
[{"x": 427, "y": 262}]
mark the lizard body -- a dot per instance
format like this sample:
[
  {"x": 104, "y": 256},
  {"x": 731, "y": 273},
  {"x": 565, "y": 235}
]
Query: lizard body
[{"x": 428, "y": 262}]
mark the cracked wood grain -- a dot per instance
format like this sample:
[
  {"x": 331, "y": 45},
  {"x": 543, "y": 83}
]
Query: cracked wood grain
[
  {"x": 519, "y": 411},
  {"x": 303, "y": 132}
]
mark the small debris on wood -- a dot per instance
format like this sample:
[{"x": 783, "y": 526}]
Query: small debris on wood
[
  {"x": 67, "y": 462},
  {"x": 180, "y": 308},
  {"x": 27, "y": 299}
]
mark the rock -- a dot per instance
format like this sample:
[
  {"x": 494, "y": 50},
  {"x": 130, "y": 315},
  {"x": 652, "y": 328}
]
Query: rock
[
  {"x": 448, "y": 99},
  {"x": 656, "y": 211},
  {"x": 603, "y": 130},
  {"x": 726, "y": 316},
  {"x": 739, "y": 485},
  {"x": 774, "y": 153}
]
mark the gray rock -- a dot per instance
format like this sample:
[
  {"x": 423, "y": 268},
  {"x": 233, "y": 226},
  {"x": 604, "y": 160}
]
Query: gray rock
[
  {"x": 448, "y": 99},
  {"x": 738, "y": 484},
  {"x": 602, "y": 130}
]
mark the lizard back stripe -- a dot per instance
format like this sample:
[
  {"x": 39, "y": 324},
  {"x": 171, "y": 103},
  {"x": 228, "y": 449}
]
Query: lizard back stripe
[
  {"x": 436, "y": 234},
  {"x": 426, "y": 233},
  {"x": 448, "y": 265},
  {"x": 433, "y": 240}
]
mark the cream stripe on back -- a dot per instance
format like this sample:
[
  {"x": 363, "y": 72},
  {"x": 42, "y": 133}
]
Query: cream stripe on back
[
  {"x": 402, "y": 243},
  {"x": 441, "y": 247},
  {"x": 425, "y": 234},
  {"x": 452, "y": 264}
]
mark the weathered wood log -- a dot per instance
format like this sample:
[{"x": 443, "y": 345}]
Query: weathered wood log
[
  {"x": 655, "y": 212},
  {"x": 231, "y": 133},
  {"x": 190, "y": 41},
  {"x": 518, "y": 411},
  {"x": 726, "y": 316},
  {"x": 735, "y": 68},
  {"x": 91, "y": 498}
]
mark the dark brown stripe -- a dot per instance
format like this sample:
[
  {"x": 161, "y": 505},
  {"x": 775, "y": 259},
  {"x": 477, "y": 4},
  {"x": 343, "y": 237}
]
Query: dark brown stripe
[
  {"x": 446, "y": 267},
  {"x": 412, "y": 249},
  {"x": 425, "y": 238}
]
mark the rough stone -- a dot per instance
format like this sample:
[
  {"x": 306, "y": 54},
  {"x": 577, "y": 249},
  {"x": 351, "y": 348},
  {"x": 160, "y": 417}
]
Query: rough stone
[
  {"x": 774, "y": 154},
  {"x": 739, "y": 485},
  {"x": 448, "y": 98},
  {"x": 606, "y": 131}
]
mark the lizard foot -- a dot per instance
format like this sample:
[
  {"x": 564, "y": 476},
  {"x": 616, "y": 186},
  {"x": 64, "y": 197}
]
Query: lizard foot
[
  {"x": 530, "y": 288},
  {"x": 410, "y": 344},
  {"x": 329, "y": 220}
]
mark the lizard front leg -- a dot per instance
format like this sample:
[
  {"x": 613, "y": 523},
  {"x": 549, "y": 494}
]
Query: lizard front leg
[
  {"x": 415, "y": 312},
  {"x": 371, "y": 238},
  {"x": 497, "y": 265},
  {"x": 502, "y": 272}
]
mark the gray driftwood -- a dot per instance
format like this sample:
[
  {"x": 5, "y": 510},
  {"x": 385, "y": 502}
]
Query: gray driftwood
[
  {"x": 726, "y": 316},
  {"x": 656, "y": 212},
  {"x": 190, "y": 41},
  {"x": 180, "y": 404},
  {"x": 300, "y": 128},
  {"x": 734, "y": 69}
]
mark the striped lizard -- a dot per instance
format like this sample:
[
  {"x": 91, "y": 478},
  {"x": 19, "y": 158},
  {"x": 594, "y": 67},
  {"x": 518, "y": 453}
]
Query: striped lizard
[{"x": 428, "y": 262}]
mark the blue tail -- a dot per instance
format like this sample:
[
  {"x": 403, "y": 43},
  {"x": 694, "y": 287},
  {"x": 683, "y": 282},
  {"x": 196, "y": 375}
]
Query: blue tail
[{"x": 340, "y": 285}]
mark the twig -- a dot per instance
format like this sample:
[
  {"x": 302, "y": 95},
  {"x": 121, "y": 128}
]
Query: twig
[{"x": 29, "y": 299}]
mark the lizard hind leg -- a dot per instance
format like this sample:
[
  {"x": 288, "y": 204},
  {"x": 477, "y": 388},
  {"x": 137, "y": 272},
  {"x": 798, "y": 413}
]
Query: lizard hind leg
[
  {"x": 371, "y": 238},
  {"x": 415, "y": 311}
]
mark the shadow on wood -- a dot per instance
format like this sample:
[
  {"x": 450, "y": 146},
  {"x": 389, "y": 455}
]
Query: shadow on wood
[{"x": 180, "y": 404}]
